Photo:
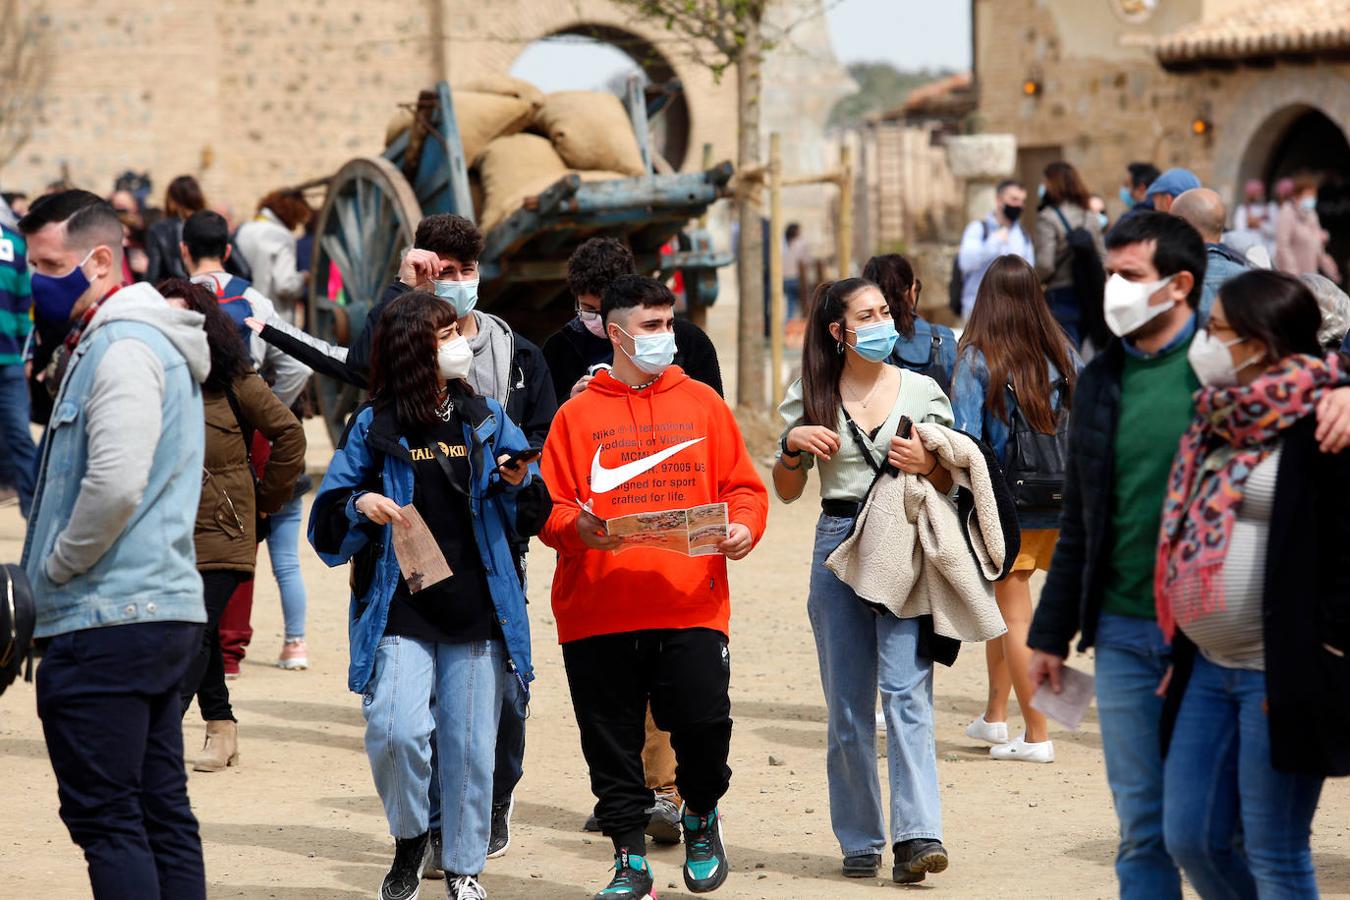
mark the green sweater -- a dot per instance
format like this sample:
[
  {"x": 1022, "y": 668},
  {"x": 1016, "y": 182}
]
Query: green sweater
[{"x": 1157, "y": 404}]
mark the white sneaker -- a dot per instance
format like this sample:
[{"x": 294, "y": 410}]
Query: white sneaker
[
  {"x": 1021, "y": 749},
  {"x": 989, "y": 732},
  {"x": 466, "y": 887}
]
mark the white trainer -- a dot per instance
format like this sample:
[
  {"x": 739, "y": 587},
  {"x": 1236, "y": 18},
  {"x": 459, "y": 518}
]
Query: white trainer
[
  {"x": 1024, "y": 751},
  {"x": 990, "y": 732}
]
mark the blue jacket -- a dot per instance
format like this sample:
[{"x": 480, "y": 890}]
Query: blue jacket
[
  {"x": 127, "y": 555},
  {"x": 968, "y": 406},
  {"x": 918, "y": 353},
  {"x": 374, "y": 456},
  {"x": 1221, "y": 264}
]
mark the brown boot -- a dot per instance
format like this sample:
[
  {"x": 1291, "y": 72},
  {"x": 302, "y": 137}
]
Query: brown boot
[{"x": 221, "y": 748}]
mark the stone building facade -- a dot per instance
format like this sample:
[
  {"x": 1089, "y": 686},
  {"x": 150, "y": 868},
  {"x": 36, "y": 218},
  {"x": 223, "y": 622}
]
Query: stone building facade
[
  {"x": 250, "y": 95},
  {"x": 1227, "y": 88}
]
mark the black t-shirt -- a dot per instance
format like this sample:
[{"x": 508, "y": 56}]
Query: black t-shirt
[{"x": 458, "y": 609}]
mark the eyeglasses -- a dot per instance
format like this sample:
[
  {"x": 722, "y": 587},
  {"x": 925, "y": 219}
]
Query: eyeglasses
[{"x": 586, "y": 314}]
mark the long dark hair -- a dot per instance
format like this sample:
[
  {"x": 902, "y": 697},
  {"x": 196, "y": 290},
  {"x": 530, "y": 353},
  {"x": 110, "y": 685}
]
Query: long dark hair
[
  {"x": 1274, "y": 308},
  {"x": 895, "y": 276},
  {"x": 403, "y": 363},
  {"x": 183, "y": 197},
  {"x": 230, "y": 358},
  {"x": 822, "y": 363},
  {"x": 1012, "y": 326},
  {"x": 1063, "y": 185}
]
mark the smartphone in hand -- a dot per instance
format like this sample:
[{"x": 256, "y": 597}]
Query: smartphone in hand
[
  {"x": 906, "y": 428},
  {"x": 528, "y": 455}
]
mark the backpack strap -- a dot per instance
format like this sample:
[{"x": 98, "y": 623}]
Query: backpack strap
[{"x": 1062, "y": 220}]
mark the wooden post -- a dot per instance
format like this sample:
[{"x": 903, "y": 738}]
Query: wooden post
[
  {"x": 697, "y": 312},
  {"x": 844, "y": 231},
  {"x": 777, "y": 307}
]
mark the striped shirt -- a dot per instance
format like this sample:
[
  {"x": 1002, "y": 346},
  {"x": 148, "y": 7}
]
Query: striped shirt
[{"x": 1232, "y": 636}]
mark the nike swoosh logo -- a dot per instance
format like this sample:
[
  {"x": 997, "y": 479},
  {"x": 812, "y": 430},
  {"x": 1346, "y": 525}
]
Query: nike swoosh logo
[{"x": 605, "y": 479}]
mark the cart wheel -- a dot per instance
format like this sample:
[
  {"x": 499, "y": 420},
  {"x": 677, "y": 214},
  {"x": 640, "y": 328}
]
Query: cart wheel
[{"x": 367, "y": 220}]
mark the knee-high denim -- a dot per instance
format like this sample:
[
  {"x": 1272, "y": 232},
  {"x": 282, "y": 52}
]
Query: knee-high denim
[
  {"x": 283, "y": 548},
  {"x": 1235, "y": 826},
  {"x": 1132, "y": 658},
  {"x": 468, "y": 681},
  {"x": 861, "y": 652}
]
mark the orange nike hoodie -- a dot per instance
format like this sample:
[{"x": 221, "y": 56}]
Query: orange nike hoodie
[{"x": 627, "y": 439}]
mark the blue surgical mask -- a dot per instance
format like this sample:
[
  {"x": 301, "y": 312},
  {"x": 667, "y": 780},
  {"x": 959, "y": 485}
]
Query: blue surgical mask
[
  {"x": 462, "y": 295},
  {"x": 875, "y": 342},
  {"x": 1103, "y": 220},
  {"x": 1308, "y": 203},
  {"x": 652, "y": 353},
  {"x": 1040, "y": 192},
  {"x": 55, "y": 296},
  {"x": 1126, "y": 197}
]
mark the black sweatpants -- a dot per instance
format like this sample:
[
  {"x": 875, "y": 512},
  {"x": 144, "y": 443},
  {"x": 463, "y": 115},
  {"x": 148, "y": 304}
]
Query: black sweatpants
[
  {"x": 205, "y": 678},
  {"x": 684, "y": 673}
]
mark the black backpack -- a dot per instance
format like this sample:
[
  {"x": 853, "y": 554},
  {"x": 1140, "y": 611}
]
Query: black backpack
[
  {"x": 1089, "y": 282},
  {"x": 18, "y": 617},
  {"x": 1036, "y": 461},
  {"x": 957, "y": 282},
  {"x": 932, "y": 366}
]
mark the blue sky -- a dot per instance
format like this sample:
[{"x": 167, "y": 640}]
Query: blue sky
[{"x": 909, "y": 34}]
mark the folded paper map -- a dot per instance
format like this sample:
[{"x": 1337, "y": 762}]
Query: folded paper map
[{"x": 694, "y": 532}]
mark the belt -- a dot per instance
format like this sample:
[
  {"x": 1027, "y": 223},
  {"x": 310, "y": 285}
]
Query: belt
[{"x": 841, "y": 509}]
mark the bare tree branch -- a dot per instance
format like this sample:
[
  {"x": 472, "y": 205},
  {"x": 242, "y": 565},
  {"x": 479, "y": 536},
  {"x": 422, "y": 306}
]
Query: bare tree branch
[{"x": 25, "y": 48}]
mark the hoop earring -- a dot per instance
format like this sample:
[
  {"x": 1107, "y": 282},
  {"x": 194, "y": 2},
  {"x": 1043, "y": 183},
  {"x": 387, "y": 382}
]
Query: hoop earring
[{"x": 839, "y": 347}]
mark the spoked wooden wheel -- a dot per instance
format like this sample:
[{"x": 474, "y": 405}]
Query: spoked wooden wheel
[{"x": 367, "y": 220}]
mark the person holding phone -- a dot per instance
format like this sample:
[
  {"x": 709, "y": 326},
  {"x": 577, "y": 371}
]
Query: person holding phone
[
  {"x": 428, "y": 440},
  {"x": 1015, "y": 374},
  {"x": 843, "y": 417}
]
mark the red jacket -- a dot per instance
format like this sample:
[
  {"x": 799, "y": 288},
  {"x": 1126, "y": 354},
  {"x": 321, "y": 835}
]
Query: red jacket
[{"x": 600, "y": 432}]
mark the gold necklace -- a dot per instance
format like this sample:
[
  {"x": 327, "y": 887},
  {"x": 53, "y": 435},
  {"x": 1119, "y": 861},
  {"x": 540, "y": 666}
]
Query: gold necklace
[{"x": 864, "y": 401}]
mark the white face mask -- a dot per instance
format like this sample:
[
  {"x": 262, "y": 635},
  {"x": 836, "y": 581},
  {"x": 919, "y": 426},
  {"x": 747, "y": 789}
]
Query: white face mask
[
  {"x": 1127, "y": 308},
  {"x": 454, "y": 358},
  {"x": 1212, "y": 361}
]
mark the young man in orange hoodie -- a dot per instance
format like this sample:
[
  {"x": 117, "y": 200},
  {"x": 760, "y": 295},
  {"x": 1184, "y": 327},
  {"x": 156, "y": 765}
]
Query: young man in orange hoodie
[{"x": 648, "y": 625}]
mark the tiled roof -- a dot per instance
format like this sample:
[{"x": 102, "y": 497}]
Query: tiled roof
[
  {"x": 1267, "y": 28},
  {"x": 952, "y": 94}
]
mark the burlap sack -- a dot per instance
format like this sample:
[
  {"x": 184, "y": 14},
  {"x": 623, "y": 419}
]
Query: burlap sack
[
  {"x": 483, "y": 117},
  {"x": 513, "y": 168},
  {"x": 591, "y": 131},
  {"x": 399, "y": 122},
  {"x": 506, "y": 86}
]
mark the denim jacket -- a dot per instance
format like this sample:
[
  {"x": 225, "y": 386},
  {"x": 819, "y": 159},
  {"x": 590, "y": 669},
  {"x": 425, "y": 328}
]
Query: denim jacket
[
  {"x": 914, "y": 352},
  {"x": 148, "y": 570},
  {"x": 373, "y": 456},
  {"x": 968, "y": 395}
]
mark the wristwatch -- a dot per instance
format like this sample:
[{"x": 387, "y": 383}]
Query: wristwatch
[{"x": 782, "y": 445}]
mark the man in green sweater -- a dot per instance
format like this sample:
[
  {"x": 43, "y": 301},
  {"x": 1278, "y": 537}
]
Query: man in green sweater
[{"x": 1130, "y": 408}]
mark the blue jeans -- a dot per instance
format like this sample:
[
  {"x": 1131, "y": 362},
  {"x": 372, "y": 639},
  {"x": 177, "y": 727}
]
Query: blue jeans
[
  {"x": 283, "y": 548},
  {"x": 862, "y": 651},
  {"x": 18, "y": 455},
  {"x": 1132, "y": 658},
  {"x": 1237, "y": 827},
  {"x": 108, "y": 700},
  {"x": 468, "y": 681}
]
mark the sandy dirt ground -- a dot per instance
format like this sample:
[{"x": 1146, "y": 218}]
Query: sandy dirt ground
[{"x": 299, "y": 818}]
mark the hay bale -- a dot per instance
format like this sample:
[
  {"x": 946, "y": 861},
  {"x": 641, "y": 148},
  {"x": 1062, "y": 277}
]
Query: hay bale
[
  {"x": 506, "y": 86},
  {"x": 591, "y": 131},
  {"x": 484, "y": 117},
  {"x": 513, "y": 168}
]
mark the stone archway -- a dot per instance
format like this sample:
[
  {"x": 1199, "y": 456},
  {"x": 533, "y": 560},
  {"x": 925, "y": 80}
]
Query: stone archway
[{"x": 501, "y": 29}]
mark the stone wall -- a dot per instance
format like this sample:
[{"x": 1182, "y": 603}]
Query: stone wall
[
  {"x": 250, "y": 95},
  {"x": 1106, "y": 102}
]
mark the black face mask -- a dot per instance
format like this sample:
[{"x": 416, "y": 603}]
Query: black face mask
[{"x": 1012, "y": 213}]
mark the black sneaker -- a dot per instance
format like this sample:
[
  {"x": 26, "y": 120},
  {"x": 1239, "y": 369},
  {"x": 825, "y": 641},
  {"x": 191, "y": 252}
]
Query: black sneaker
[
  {"x": 433, "y": 869},
  {"x": 501, "y": 828},
  {"x": 465, "y": 887},
  {"x": 664, "y": 824},
  {"x": 632, "y": 879},
  {"x": 592, "y": 824},
  {"x": 917, "y": 857},
  {"x": 404, "y": 881},
  {"x": 705, "y": 859},
  {"x": 862, "y": 865}
]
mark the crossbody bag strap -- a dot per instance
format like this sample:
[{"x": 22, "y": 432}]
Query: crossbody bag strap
[
  {"x": 246, "y": 428},
  {"x": 863, "y": 446}
]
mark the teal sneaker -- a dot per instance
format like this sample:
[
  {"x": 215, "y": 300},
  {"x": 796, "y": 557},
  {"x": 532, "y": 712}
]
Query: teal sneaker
[
  {"x": 705, "y": 859},
  {"x": 632, "y": 879}
]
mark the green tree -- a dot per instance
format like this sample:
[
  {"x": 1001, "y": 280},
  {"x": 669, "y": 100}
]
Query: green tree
[{"x": 881, "y": 87}]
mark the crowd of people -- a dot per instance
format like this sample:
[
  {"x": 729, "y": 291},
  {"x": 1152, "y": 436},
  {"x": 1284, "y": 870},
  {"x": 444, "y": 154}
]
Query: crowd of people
[{"x": 1141, "y": 409}]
